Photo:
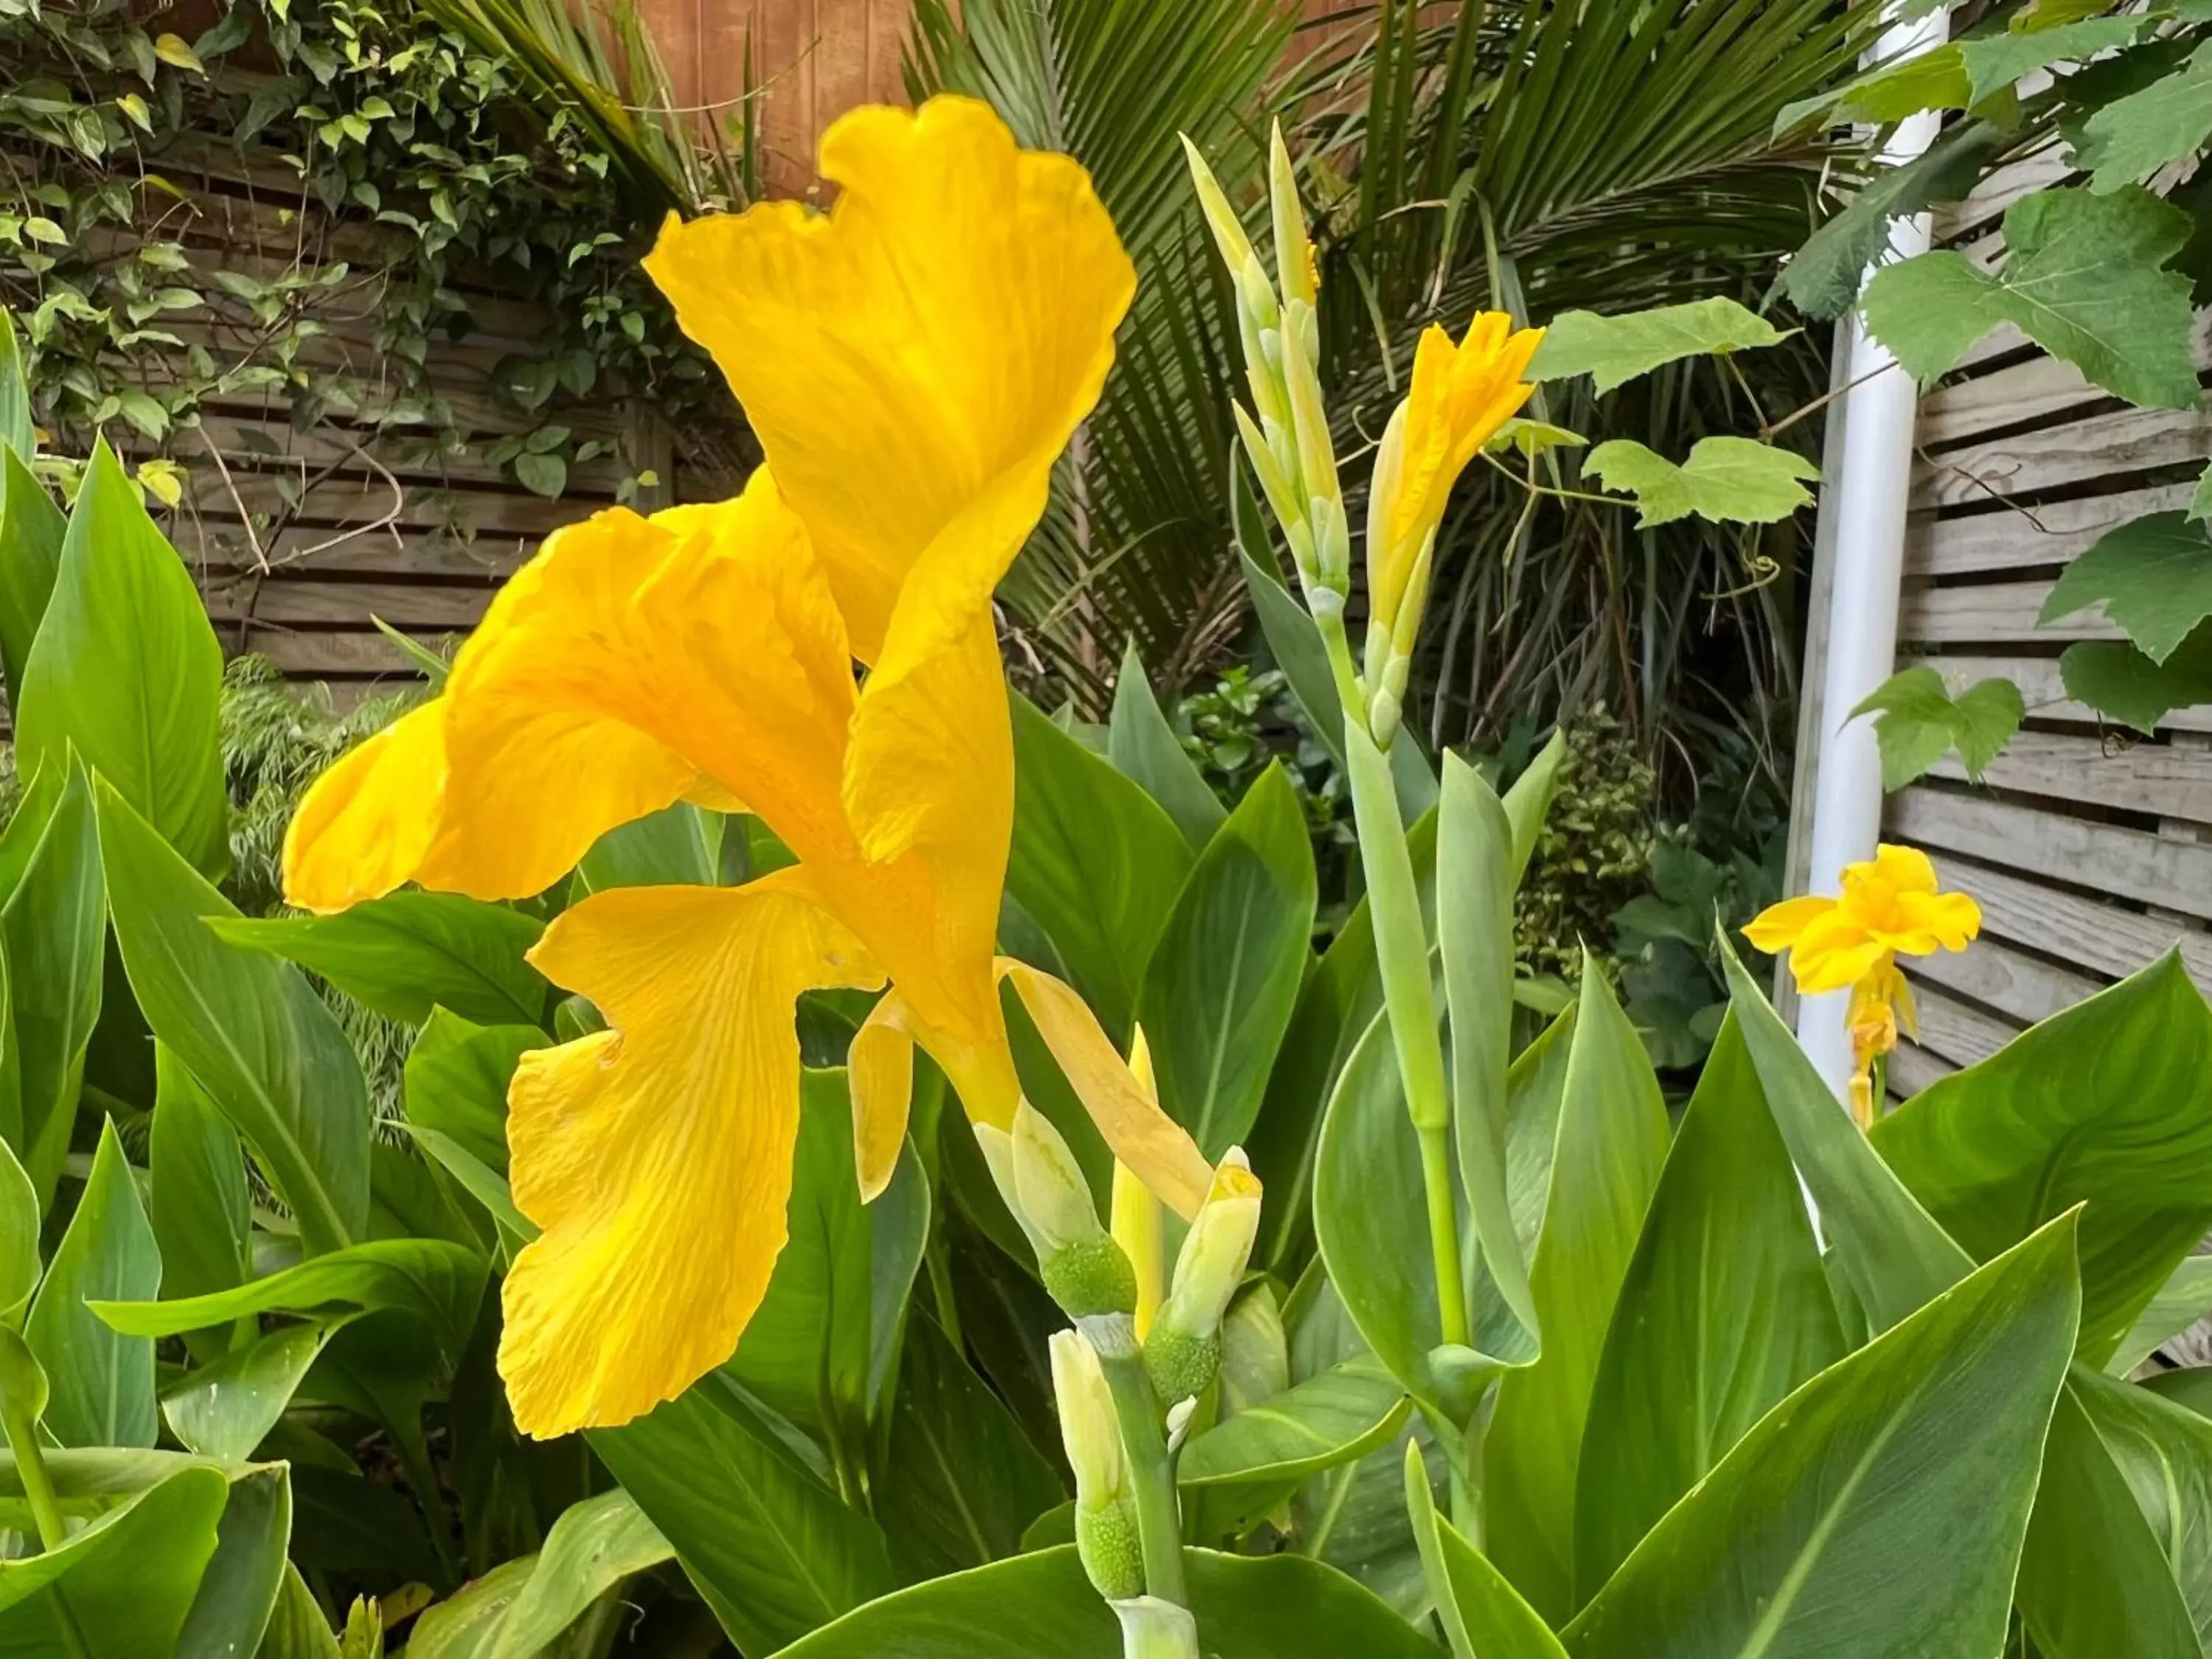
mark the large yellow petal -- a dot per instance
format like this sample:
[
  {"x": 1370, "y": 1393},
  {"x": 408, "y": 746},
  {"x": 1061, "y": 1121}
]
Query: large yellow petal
[
  {"x": 1834, "y": 951},
  {"x": 367, "y": 823},
  {"x": 935, "y": 336},
  {"x": 656, "y": 1156},
  {"x": 1778, "y": 926},
  {"x": 880, "y": 1073}
]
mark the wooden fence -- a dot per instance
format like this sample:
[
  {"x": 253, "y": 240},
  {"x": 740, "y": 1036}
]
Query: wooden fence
[{"x": 2089, "y": 847}]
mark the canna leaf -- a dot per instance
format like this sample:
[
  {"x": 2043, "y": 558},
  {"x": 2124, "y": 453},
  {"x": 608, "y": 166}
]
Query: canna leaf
[
  {"x": 54, "y": 926},
  {"x": 239, "y": 1589},
  {"x": 201, "y": 1209},
  {"x": 128, "y": 1578},
  {"x": 1143, "y": 746},
  {"x": 31, "y": 532},
  {"x": 592, "y": 1546},
  {"x": 2184, "y": 1298},
  {"x": 100, "y": 1383}
]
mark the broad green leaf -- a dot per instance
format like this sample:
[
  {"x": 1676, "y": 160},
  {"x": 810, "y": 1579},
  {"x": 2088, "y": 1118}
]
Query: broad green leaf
[
  {"x": 773, "y": 1551},
  {"x": 201, "y": 1209},
  {"x": 128, "y": 1579},
  {"x": 1889, "y": 1250},
  {"x": 1917, "y": 721},
  {"x": 1095, "y": 863},
  {"x": 899, "y": 1228},
  {"x": 100, "y": 1381},
  {"x": 1822, "y": 277},
  {"x": 19, "y": 1235},
  {"x": 1528, "y": 800},
  {"x": 263, "y": 1044},
  {"x": 441, "y": 1282},
  {"x": 18, "y": 436},
  {"x": 2164, "y": 1452},
  {"x": 456, "y": 1081},
  {"x": 32, "y": 530},
  {"x": 481, "y": 1182},
  {"x": 407, "y": 952},
  {"x": 1617, "y": 349},
  {"x": 961, "y": 1481},
  {"x": 1040, "y": 1607},
  {"x": 1143, "y": 746},
  {"x": 1475, "y": 936},
  {"x": 1611, "y": 1141},
  {"x": 296, "y": 1627},
  {"x": 2082, "y": 279},
  {"x": 1993, "y": 62},
  {"x": 2152, "y": 575},
  {"x": 2184, "y": 1298},
  {"x": 2132, "y": 137},
  {"x": 2107, "y": 1104},
  {"x": 679, "y": 845},
  {"x": 1889, "y": 1496},
  {"x": 1343, "y": 1414},
  {"x": 1353, "y": 1518},
  {"x": 54, "y": 926},
  {"x": 2115, "y": 678},
  {"x": 1726, "y": 480},
  {"x": 592, "y": 1547},
  {"x": 1725, "y": 1310},
  {"x": 1533, "y": 438},
  {"x": 466, "y": 1624},
  {"x": 125, "y": 669},
  {"x": 1887, "y": 92},
  {"x": 238, "y": 1590},
  {"x": 2200, "y": 498},
  {"x": 225, "y": 1408},
  {"x": 1483, "y": 1616},
  {"x": 1535, "y": 1089},
  {"x": 1219, "y": 989}
]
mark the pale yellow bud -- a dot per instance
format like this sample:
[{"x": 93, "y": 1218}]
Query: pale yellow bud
[
  {"x": 1220, "y": 218},
  {"x": 1183, "y": 1352},
  {"x": 1294, "y": 253}
]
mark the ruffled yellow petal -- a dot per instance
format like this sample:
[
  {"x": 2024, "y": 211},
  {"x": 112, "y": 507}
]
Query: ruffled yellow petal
[
  {"x": 1900, "y": 869},
  {"x": 656, "y": 1156},
  {"x": 1776, "y": 928},
  {"x": 879, "y": 1071},
  {"x": 930, "y": 341},
  {"x": 366, "y": 824},
  {"x": 1833, "y": 951},
  {"x": 1142, "y": 1136},
  {"x": 1933, "y": 921}
]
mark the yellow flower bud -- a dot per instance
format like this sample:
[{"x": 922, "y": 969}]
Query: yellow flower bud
[
  {"x": 1106, "y": 1534},
  {"x": 1183, "y": 1352},
  {"x": 1294, "y": 254},
  {"x": 1082, "y": 1266},
  {"x": 1220, "y": 218}
]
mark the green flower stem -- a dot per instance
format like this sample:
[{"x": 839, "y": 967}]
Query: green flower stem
[
  {"x": 1401, "y": 950},
  {"x": 1144, "y": 1442},
  {"x": 46, "y": 1509}
]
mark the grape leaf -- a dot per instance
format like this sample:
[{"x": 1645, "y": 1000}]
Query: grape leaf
[
  {"x": 1612, "y": 349},
  {"x": 2200, "y": 502},
  {"x": 1995, "y": 62},
  {"x": 1533, "y": 438},
  {"x": 2116, "y": 680},
  {"x": 1917, "y": 721},
  {"x": 1935, "y": 79},
  {"x": 2152, "y": 575},
  {"x": 2135, "y": 135},
  {"x": 1736, "y": 480},
  {"x": 2083, "y": 282},
  {"x": 1822, "y": 277}
]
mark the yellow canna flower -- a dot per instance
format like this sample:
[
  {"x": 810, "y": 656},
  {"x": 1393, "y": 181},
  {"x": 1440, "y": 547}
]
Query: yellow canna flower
[
  {"x": 1889, "y": 906},
  {"x": 913, "y": 362},
  {"x": 1459, "y": 396}
]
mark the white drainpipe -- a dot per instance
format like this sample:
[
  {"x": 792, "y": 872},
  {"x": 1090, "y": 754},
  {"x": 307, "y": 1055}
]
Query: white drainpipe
[{"x": 1864, "y": 500}]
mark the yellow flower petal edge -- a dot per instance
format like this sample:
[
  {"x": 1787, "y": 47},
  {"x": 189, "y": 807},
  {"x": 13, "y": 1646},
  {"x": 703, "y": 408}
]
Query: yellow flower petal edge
[
  {"x": 880, "y": 1073},
  {"x": 366, "y": 824},
  {"x": 656, "y": 1156},
  {"x": 929, "y": 344},
  {"x": 1150, "y": 1143},
  {"x": 1778, "y": 926}
]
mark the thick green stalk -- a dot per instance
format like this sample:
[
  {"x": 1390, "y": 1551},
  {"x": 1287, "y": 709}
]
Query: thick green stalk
[
  {"x": 1143, "y": 1443},
  {"x": 46, "y": 1509}
]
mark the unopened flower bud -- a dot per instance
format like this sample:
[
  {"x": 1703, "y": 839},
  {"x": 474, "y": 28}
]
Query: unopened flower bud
[
  {"x": 1332, "y": 543},
  {"x": 1294, "y": 254},
  {"x": 1383, "y": 713},
  {"x": 1153, "y": 1628},
  {"x": 1220, "y": 218},
  {"x": 1183, "y": 1352},
  {"x": 1083, "y": 1268},
  {"x": 1106, "y": 1535}
]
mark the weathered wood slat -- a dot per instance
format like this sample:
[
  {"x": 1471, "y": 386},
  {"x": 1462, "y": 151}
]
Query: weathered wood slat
[
  {"x": 357, "y": 501},
  {"x": 2041, "y": 687},
  {"x": 2020, "y": 537},
  {"x": 2149, "y": 869},
  {"x": 2155, "y": 778},
  {"x": 2034, "y": 391},
  {"x": 1999, "y": 191},
  {"x": 2098, "y": 936},
  {"x": 224, "y": 552},
  {"x": 281, "y": 601},
  {"x": 1949, "y": 1028},
  {"x": 2124, "y": 441},
  {"x": 1912, "y": 1068},
  {"x": 1991, "y": 612},
  {"x": 249, "y": 443},
  {"x": 360, "y": 653},
  {"x": 2011, "y": 982}
]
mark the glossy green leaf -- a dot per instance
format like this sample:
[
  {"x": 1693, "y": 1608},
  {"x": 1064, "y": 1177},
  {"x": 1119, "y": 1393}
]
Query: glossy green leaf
[
  {"x": 2116, "y": 680},
  {"x": 240, "y": 1589},
  {"x": 1095, "y": 863},
  {"x": 225, "y": 1408},
  {"x": 1619, "y": 348},
  {"x": 1888, "y": 1497},
  {"x": 2132, "y": 137},
  {"x": 467, "y": 1624},
  {"x": 1143, "y": 746},
  {"x": 1822, "y": 278},
  {"x": 593, "y": 1547},
  {"x": 441, "y": 1282},
  {"x": 679, "y": 845},
  {"x": 32, "y": 530},
  {"x": 54, "y": 926},
  {"x": 259, "y": 1039},
  {"x": 2184, "y": 1298},
  {"x": 1040, "y": 1607},
  {"x": 1475, "y": 936},
  {"x": 19, "y": 1238},
  {"x": 128, "y": 1578},
  {"x": 961, "y": 1481},
  {"x": 771, "y": 1548},
  {"x": 1995, "y": 60},
  {"x": 1224, "y": 978},
  {"x": 2082, "y": 278},
  {"x": 201, "y": 1209},
  {"x": 1482, "y": 1614},
  {"x": 1725, "y": 480},
  {"x": 2153, "y": 576},
  {"x": 1886, "y": 1247},
  {"x": 296, "y": 1627},
  {"x": 1917, "y": 721},
  {"x": 2107, "y": 1104},
  {"x": 100, "y": 1381},
  {"x": 2164, "y": 1452},
  {"x": 899, "y": 1224},
  {"x": 456, "y": 1081},
  {"x": 126, "y": 670},
  {"x": 1725, "y": 1310},
  {"x": 1343, "y": 1413},
  {"x": 1612, "y": 1140},
  {"x": 1528, "y": 800},
  {"x": 407, "y": 952},
  {"x": 18, "y": 435}
]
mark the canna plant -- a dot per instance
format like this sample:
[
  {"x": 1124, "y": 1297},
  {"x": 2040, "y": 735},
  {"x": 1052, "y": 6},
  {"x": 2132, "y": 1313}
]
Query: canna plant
[{"x": 1249, "y": 1301}]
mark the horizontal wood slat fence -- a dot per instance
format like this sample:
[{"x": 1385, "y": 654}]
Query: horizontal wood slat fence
[{"x": 2089, "y": 847}]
